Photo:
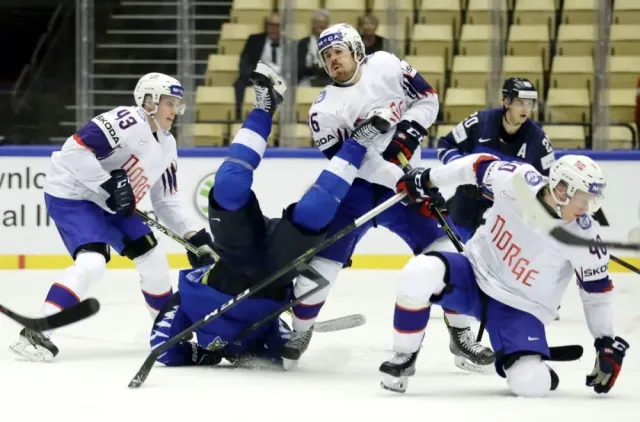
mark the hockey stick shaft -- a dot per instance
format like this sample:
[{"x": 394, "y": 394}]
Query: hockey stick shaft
[
  {"x": 146, "y": 367},
  {"x": 456, "y": 242},
  {"x": 182, "y": 241},
  {"x": 78, "y": 312}
]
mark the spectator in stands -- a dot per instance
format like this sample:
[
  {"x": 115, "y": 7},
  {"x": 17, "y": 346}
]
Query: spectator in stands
[
  {"x": 309, "y": 71},
  {"x": 264, "y": 46},
  {"x": 372, "y": 42}
]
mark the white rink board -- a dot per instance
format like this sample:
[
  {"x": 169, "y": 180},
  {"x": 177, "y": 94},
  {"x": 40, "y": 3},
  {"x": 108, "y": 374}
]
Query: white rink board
[{"x": 277, "y": 183}]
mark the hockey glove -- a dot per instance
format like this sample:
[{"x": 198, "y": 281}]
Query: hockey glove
[
  {"x": 369, "y": 129},
  {"x": 610, "y": 353},
  {"x": 204, "y": 357},
  {"x": 408, "y": 137},
  {"x": 415, "y": 183},
  {"x": 121, "y": 199},
  {"x": 203, "y": 241}
]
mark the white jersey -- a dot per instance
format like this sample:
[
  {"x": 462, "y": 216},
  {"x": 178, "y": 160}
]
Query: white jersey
[
  {"x": 385, "y": 82},
  {"x": 120, "y": 139},
  {"x": 518, "y": 263}
]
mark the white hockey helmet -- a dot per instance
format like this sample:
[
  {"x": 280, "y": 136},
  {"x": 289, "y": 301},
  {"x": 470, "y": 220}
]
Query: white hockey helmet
[
  {"x": 156, "y": 85},
  {"x": 578, "y": 172},
  {"x": 345, "y": 37}
]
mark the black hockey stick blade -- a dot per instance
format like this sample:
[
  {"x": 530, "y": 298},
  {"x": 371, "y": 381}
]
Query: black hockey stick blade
[
  {"x": 147, "y": 365},
  {"x": 78, "y": 312},
  {"x": 565, "y": 353}
]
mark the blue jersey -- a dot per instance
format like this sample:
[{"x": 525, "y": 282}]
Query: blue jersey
[{"x": 482, "y": 132}]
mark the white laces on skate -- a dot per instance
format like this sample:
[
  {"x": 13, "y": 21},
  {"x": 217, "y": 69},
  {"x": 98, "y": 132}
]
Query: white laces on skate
[
  {"x": 263, "y": 99},
  {"x": 468, "y": 340},
  {"x": 299, "y": 339},
  {"x": 400, "y": 358}
]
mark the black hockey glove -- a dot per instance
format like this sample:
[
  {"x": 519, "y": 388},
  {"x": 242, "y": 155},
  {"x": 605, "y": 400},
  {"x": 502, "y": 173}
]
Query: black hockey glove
[
  {"x": 121, "y": 199},
  {"x": 408, "y": 137},
  {"x": 415, "y": 183},
  {"x": 203, "y": 241},
  {"x": 204, "y": 357},
  {"x": 610, "y": 353}
]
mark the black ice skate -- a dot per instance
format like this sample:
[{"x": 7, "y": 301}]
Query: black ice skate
[
  {"x": 295, "y": 347},
  {"x": 469, "y": 354},
  {"x": 34, "y": 345},
  {"x": 397, "y": 370},
  {"x": 269, "y": 88}
]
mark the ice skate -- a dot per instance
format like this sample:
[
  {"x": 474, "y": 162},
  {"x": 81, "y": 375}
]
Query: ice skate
[
  {"x": 269, "y": 88},
  {"x": 469, "y": 354},
  {"x": 35, "y": 346},
  {"x": 397, "y": 370}
]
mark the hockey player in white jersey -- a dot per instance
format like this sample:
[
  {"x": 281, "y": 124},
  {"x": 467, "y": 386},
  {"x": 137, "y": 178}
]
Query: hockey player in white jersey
[
  {"x": 513, "y": 272},
  {"x": 91, "y": 191},
  {"x": 380, "y": 83}
]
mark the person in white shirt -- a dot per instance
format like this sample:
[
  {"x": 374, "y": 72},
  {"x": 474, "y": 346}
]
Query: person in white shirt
[
  {"x": 512, "y": 273},
  {"x": 91, "y": 191}
]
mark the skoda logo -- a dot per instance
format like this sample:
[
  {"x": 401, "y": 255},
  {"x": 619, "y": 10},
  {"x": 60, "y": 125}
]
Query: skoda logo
[{"x": 201, "y": 194}]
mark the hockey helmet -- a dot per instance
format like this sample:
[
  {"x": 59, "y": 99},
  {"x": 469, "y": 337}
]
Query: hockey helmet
[
  {"x": 345, "y": 37},
  {"x": 519, "y": 88},
  {"x": 156, "y": 85},
  {"x": 578, "y": 172}
]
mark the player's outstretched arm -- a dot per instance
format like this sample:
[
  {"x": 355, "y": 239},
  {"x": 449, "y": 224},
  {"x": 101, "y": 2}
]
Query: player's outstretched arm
[
  {"x": 232, "y": 186},
  {"x": 459, "y": 141}
]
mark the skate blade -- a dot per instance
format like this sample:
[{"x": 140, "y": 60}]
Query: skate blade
[
  {"x": 30, "y": 352},
  {"x": 395, "y": 384},
  {"x": 289, "y": 364},
  {"x": 466, "y": 365}
]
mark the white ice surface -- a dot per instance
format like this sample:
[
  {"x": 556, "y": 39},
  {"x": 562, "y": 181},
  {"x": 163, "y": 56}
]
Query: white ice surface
[{"x": 337, "y": 380}]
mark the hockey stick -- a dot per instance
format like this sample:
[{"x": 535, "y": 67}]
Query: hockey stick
[
  {"x": 614, "y": 258},
  {"x": 406, "y": 166},
  {"x": 182, "y": 241},
  {"x": 533, "y": 209},
  {"x": 146, "y": 367},
  {"x": 78, "y": 312}
]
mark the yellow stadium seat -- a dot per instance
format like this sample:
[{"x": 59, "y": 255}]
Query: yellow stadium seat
[
  {"x": 622, "y": 105},
  {"x": 479, "y": 12},
  {"x": 395, "y": 33},
  {"x": 529, "y": 40},
  {"x": 443, "y": 130},
  {"x": 572, "y": 72},
  {"x": 296, "y": 31},
  {"x": 209, "y": 134},
  {"x": 296, "y": 135},
  {"x": 432, "y": 40},
  {"x": 567, "y": 105},
  {"x": 580, "y": 11},
  {"x": 438, "y": 12},
  {"x": 346, "y": 11},
  {"x": 626, "y": 12},
  {"x": 250, "y": 12},
  {"x": 271, "y": 141},
  {"x": 475, "y": 40},
  {"x": 539, "y": 12},
  {"x": 233, "y": 36},
  {"x": 625, "y": 40},
  {"x": 470, "y": 71},
  {"x": 530, "y": 67},
  {"x": 402, "y": 12},
  {"x": 576, "y": 40},
  {"x": 222, "y": 69},
  {"x": 620, "y": 137},
  {"x": 432, "y": 69},
  {"x": 460, "y": 102},
  {"x": 625, "y": 71},
  {"x": 566, "y": 137},
  {"x": 303, "y": 11},
  {"x": 305, "y": 96},
  {"x": 215, "y": 103}
]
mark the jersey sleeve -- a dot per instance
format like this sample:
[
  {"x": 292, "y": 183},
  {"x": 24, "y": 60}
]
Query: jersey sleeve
[
  {"x": 469, "y": 170},
  {"x": 82, "y": 162},
  {"x": 591, "y": 265},
  {"x": 422, "y": 99},
  {"x": 459, "y": 141},
  {"x": 546, "y": 156},
  {"x": 169, "y": 322},
  {"x": 167, "y": 202},
  {"x": 328, "y": 130}
]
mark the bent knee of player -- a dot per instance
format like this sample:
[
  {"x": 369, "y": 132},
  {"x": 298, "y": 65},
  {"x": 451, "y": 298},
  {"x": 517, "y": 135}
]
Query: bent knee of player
[
  {"x": 421, "y": 278},
  {"x": 529, "y": 376},
  {"x": 92, "y": 264},
  {"x": 232, "y": 186}
]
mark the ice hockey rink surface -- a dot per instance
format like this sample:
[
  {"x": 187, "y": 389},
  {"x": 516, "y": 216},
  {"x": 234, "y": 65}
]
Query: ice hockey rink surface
[{"x": 337, "y": 380}]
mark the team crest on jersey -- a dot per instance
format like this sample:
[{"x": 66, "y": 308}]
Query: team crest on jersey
[
  {"x": 533, "y": 178},
  {"x": 321, "y": 96},
  {"x": 584, "y": 221}
]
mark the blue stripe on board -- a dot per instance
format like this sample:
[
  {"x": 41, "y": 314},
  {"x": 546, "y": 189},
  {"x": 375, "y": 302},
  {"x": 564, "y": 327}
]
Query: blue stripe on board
[{"x": 221, "y": 152}]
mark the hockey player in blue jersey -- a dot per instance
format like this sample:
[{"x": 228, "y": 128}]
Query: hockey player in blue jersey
[
  {"x": 365, "y": 84},
  {"x": 252, "y": 246},
  {"x": 506, "y": 132}
]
